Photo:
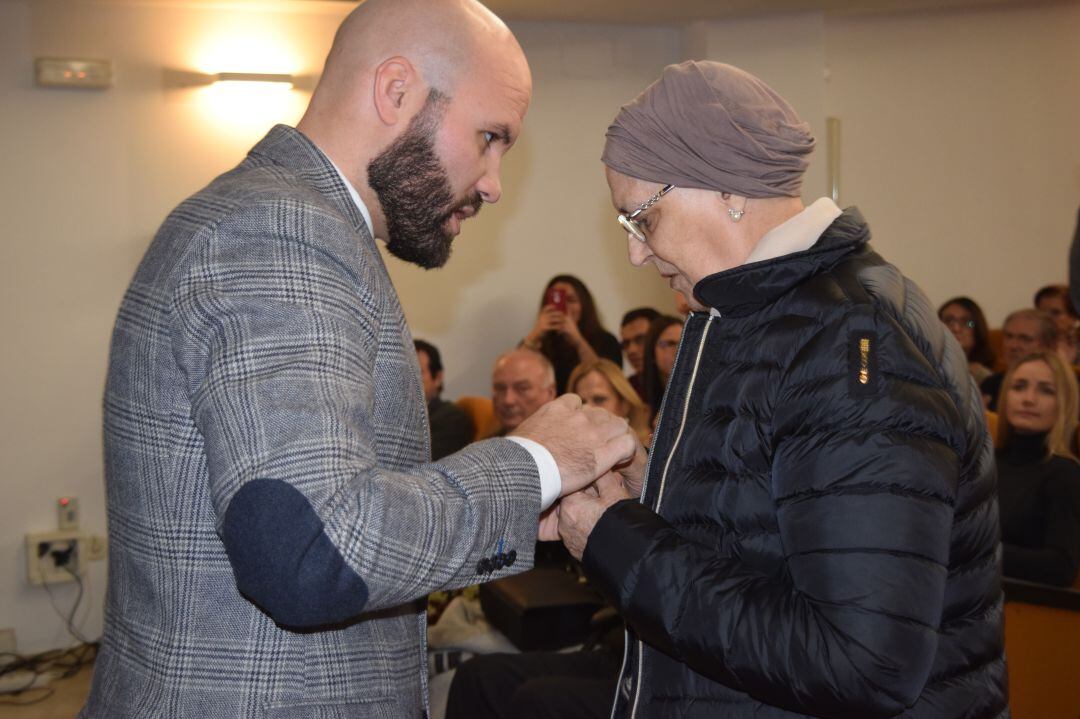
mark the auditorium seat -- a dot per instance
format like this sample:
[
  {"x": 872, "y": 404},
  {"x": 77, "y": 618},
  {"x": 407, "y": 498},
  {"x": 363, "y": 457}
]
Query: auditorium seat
[
  {"x": 1042, "y": 648},
  {"x": 482, "y": 413}
]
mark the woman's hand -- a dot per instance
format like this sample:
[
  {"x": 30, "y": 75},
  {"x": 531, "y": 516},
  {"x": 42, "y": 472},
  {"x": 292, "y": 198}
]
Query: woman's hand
[
  {"x": 570, "y": 331},
  {"x": 549, "y": 320}
]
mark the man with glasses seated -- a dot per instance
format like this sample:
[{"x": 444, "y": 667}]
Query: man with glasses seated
[
  {"x": 817, "y": 531},
  {"x": 632, "y": 333}
]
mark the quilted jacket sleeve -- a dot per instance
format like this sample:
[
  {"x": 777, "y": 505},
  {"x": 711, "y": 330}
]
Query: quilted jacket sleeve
[
  {"x": 863, "y": 480},
  {"x": 276, "y": 336}
]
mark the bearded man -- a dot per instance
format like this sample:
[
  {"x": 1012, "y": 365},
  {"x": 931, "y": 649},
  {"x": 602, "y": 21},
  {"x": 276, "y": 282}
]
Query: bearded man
[{"x": 274, "y": 514}]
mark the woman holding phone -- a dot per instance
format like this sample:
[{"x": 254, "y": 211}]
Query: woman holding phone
[{"x": 568, "y": 331}]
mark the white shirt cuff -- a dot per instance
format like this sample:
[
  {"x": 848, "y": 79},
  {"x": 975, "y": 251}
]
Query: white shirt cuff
[{"x": 550, "y": 479}]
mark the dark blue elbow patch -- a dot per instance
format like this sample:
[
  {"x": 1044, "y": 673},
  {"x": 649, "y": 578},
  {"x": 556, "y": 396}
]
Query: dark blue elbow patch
[{"x": 284, "y": 562}]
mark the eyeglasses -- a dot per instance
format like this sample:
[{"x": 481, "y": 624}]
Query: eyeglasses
[
  {"x": 958, "y": 323},
  {"x": 629, "y": 222}
]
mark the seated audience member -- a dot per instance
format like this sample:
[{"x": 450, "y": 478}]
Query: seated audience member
[
  {"x": 451, "y": 427},
  {"x": 1054, "y": 300},
  {"x": 632, "y": 333},
  {"x": 967, "y": 323},
  {"x": 601, "y": 383},
  {"x": 523, "y": 380},
  {"x": 661, "y": 346},
  {"x": 570, "y": 336},
  {"x": 1038, "y": 475},
  {"x": 1025, "y": 332}
]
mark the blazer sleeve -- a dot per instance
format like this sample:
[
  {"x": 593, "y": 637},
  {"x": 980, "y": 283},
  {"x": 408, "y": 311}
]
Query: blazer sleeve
[
  {"x": 863, "y": 485},
  {"x": 276, "y": 335}
]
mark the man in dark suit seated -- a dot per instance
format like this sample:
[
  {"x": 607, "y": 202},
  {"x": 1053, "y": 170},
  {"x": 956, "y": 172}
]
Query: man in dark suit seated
[{"x": 451, "y": 427}]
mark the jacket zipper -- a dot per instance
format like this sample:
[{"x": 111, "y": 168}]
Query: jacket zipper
[{"x": 659, "y": 499}]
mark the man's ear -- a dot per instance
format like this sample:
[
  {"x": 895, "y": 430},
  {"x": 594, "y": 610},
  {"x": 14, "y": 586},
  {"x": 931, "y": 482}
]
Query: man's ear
[{"x": 396, "y": 85}]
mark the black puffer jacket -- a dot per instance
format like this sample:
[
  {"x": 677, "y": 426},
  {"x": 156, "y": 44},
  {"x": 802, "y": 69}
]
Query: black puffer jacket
[{"x": 818, "y": 534}]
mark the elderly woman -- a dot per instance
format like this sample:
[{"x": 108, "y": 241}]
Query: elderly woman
[
  {"x": 1038, "y": 475},
  {"x": 817, "y": 531}
]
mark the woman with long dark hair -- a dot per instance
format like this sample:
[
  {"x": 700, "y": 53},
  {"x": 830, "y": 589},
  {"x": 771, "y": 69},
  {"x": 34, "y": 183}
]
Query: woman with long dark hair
[
  {"x": 1038, "y": 474},
  {"x": 661, "y": 345},
  {"x": 966, "y": 321},
  {"x": 569, "y": 333}
]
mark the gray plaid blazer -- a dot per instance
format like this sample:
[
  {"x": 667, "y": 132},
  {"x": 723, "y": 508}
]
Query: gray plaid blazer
[{"x": 274, "y": 516}]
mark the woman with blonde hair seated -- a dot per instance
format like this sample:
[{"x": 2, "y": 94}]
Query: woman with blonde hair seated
[
  {"x": 601, "y": 383},
  {"x": 1038, "y": 473}
]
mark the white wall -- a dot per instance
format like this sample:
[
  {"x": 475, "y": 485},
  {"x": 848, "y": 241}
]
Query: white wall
[
  {"x": 788, "y": 53},
  {"x": 959, "y": 143},
  {"x": 959, "y": 134}
]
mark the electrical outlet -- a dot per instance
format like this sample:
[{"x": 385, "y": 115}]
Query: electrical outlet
[
  {"x": 97, "y": 546},
  {"x": 53, "y": 557}
]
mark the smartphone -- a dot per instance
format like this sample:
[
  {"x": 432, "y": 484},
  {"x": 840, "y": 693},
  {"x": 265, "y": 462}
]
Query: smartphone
[{"x": 556, "y": 296}]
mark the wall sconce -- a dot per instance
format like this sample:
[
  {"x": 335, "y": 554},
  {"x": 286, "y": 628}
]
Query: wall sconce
[
  {"x": 268, "y": 77},
  {"x": 182, "y": 78}
]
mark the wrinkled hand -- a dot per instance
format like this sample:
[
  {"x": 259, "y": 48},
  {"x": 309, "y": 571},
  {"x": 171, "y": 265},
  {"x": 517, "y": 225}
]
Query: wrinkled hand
[
  {"x": 585, "y": 442},
  {"x": 549, "y": 524},
  {"x": 632, "y": 473},
  {"x": 579, "y": 512}
]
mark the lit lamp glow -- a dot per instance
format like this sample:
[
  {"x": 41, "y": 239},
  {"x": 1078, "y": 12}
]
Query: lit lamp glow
[{"x": 279, "y": 79}]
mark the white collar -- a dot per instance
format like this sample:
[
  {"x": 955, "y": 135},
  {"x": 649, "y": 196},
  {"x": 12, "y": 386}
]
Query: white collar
[
  {"x": 796, "y": 234},
  {"x": 355, "y": 197}
]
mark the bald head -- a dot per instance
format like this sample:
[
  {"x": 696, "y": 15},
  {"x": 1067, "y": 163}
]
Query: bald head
[
  {"x": 442, "y": 38},
  {"x": 522, "y": 382},
  {"x": 417, "y": 104}
]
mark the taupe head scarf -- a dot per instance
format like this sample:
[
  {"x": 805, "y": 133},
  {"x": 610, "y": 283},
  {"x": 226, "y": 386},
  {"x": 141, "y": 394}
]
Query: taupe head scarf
[{"x": 714, "y": 127}]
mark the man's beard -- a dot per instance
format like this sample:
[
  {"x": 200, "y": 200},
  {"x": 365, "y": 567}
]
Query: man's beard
[{"x": 414, "y": 190}]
